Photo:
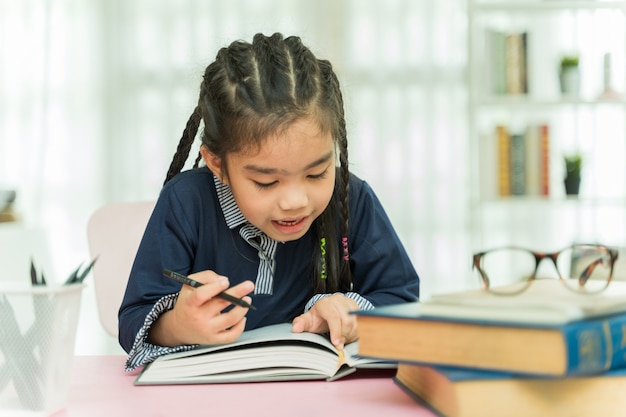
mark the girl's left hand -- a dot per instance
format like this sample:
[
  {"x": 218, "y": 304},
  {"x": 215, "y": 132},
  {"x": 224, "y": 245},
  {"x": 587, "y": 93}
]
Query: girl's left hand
[{"x": 330, "y": 314}]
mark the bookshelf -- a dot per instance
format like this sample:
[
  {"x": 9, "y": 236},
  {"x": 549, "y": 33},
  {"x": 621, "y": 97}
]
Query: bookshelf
[{"x": 591, "y": 120}]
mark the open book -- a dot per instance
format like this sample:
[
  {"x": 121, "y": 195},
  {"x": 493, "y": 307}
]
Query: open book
[{"x": 272, "y": 353}]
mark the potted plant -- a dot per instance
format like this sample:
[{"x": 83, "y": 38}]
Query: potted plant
[
  {"x": 573, "y": 167},
  {"x": 569, "y": 74}
]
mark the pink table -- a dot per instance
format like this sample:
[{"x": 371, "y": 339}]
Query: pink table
[{"x": 100, "y": 387}]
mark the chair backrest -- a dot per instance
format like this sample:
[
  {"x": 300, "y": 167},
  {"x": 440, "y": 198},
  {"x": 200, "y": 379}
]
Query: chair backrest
[{"x": 114, "y": 232}]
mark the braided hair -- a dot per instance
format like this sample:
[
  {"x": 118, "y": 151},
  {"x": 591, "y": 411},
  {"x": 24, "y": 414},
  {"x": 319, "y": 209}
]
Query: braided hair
[{"x": 252, "y": 90}]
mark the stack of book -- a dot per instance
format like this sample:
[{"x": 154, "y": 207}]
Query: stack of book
[{"x": 545, "y": 352}]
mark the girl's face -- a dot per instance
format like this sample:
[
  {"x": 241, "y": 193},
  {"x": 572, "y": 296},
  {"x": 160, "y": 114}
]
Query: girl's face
[{"x": 287, "y": 184}]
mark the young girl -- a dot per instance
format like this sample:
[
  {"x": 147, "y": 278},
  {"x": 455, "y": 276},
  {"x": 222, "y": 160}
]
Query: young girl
[{"x": 271, "y": 218}]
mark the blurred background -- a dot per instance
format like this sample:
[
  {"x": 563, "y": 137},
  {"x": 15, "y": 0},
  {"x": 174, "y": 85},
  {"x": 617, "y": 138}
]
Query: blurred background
[{"x": 94, "y": 96}]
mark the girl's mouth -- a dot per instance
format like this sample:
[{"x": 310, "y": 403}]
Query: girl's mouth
[
  {"x": 287, "y": 222},
  {"x": 290, "y": 226}
]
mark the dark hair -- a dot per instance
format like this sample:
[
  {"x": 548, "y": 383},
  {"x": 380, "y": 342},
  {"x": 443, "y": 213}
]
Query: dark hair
[{"x": 253, "y": 90}]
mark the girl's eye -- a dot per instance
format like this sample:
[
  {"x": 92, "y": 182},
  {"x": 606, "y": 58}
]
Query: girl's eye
[
  {"x": 264, "y": 185},
  {"x": 319, "y": 176}
]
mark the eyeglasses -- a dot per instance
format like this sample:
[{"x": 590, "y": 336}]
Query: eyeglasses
[{"x": 583, "y": 268}]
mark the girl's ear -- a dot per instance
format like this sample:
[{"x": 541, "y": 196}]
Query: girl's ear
[{"x": 213, "y": 162}]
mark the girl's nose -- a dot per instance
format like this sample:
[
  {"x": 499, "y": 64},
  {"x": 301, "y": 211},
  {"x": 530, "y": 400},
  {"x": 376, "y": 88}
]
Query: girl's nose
[{"x": 293, "y": 198}]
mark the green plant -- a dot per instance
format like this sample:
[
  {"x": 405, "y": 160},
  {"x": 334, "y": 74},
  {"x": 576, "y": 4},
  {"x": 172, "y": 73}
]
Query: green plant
[
  {"x": 573, "y": 165},
  {"x": 569, "y": 61}
]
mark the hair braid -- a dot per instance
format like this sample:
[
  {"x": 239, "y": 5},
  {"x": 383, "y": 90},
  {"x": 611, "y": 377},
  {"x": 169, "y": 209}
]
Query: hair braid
[
  {"x": 196, "y": 163},
  {"x": 344, "y": 208},
  {"x": 345, "y": 275},
  {"x": 184, "y": 145},
  {"x": 274, "y": 67},
  {"x": 305, "y": 71}
]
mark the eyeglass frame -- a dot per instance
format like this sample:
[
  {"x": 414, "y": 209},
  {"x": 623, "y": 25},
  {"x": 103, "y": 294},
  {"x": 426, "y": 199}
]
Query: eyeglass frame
[{"x": 540, "y": 256}]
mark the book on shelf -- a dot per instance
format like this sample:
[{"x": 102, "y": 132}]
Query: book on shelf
[
  {"x": 495, "y": 42},
  {"x": 523, "y": 160},
  {"x": 503, "y": 143},
  {"x": 518, "y": 162},
  {"x": 271, "y": 353},
  {"x": 544, "y": 135},
  {"x": 455, "y": 392},
  {"x": 532, "y": 161},
  {"x": 547, "y": 330},
  {"x": 516, "y": 67}
]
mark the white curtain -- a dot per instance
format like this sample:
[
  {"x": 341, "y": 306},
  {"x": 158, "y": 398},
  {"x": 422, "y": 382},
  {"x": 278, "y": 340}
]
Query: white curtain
[{"x": 94, "y": 96}]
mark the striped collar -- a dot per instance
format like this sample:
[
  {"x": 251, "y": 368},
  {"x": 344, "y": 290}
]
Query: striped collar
[
  {"x": 233, "y": 216},
  {"x": 265, "y": 245}
]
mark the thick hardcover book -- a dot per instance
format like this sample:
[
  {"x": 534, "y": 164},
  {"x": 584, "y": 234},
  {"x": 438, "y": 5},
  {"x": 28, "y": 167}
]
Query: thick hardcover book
[
  {"x": 453, "y": 392},
  {"x": 544, "y": 332},
  {"x": 272, "y": 353}
]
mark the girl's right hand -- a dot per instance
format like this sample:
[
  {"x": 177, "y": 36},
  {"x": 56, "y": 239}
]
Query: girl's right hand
[{"x": 199, "y": 317}]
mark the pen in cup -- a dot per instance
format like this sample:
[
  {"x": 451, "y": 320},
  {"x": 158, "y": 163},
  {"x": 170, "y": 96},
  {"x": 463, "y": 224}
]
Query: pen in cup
[{"x": 193, "y": 283}]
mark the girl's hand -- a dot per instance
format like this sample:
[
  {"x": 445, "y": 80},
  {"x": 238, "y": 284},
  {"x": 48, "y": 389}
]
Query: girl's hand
[
  {"x": 198, "y": 317},
  {"x": 330, "y": 314}
]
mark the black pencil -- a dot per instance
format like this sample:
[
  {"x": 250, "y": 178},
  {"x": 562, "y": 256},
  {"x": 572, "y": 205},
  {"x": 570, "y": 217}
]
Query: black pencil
[{"x": 192, "y": 282}]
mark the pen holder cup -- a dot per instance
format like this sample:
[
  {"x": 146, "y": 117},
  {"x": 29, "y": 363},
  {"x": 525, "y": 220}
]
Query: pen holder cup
[{"x": 37, "y": 335}]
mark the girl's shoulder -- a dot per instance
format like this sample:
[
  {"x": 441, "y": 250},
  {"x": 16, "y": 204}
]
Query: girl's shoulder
[
  {"x": 194, "y": 186},
  {"x": 190, "y": 195},
  {"x": 193, "y": 178},
  {"x": 362, "y": 198},
  {"x": 358, "y": 186}
]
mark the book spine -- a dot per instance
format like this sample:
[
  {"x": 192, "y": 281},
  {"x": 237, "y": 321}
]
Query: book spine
[
  {"x": 515, "y": 63},
  {"x": 544, "y": 135},
  {"x": 518, "y": 171},
  {"x": 524, "y": 62},
  {"x": 533, "y": 161},
  {"x": 503, "y": 142},
  {"x": 497, "y": 40},
  {"x": 596, "y": 346}
]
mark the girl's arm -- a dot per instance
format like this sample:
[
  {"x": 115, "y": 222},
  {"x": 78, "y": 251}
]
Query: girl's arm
[{"x": 382, "y": 272}]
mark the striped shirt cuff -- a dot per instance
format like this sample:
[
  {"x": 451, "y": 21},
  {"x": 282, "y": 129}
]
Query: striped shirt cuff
[
  {"x": 361, "y": 301},
  {"x": 143, "y": 352}
]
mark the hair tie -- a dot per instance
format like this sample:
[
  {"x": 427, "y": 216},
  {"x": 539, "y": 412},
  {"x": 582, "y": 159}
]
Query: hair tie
[
  {"x": 346, "y": 254},
  {"x": 323, "y": 251}
]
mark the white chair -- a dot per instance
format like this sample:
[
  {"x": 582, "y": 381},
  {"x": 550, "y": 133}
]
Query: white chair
[{"x": 114, "y": 232}]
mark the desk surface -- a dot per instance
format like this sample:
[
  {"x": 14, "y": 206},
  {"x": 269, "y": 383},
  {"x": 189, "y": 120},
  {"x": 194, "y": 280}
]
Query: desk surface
[{"x": 100, "y": 387}]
